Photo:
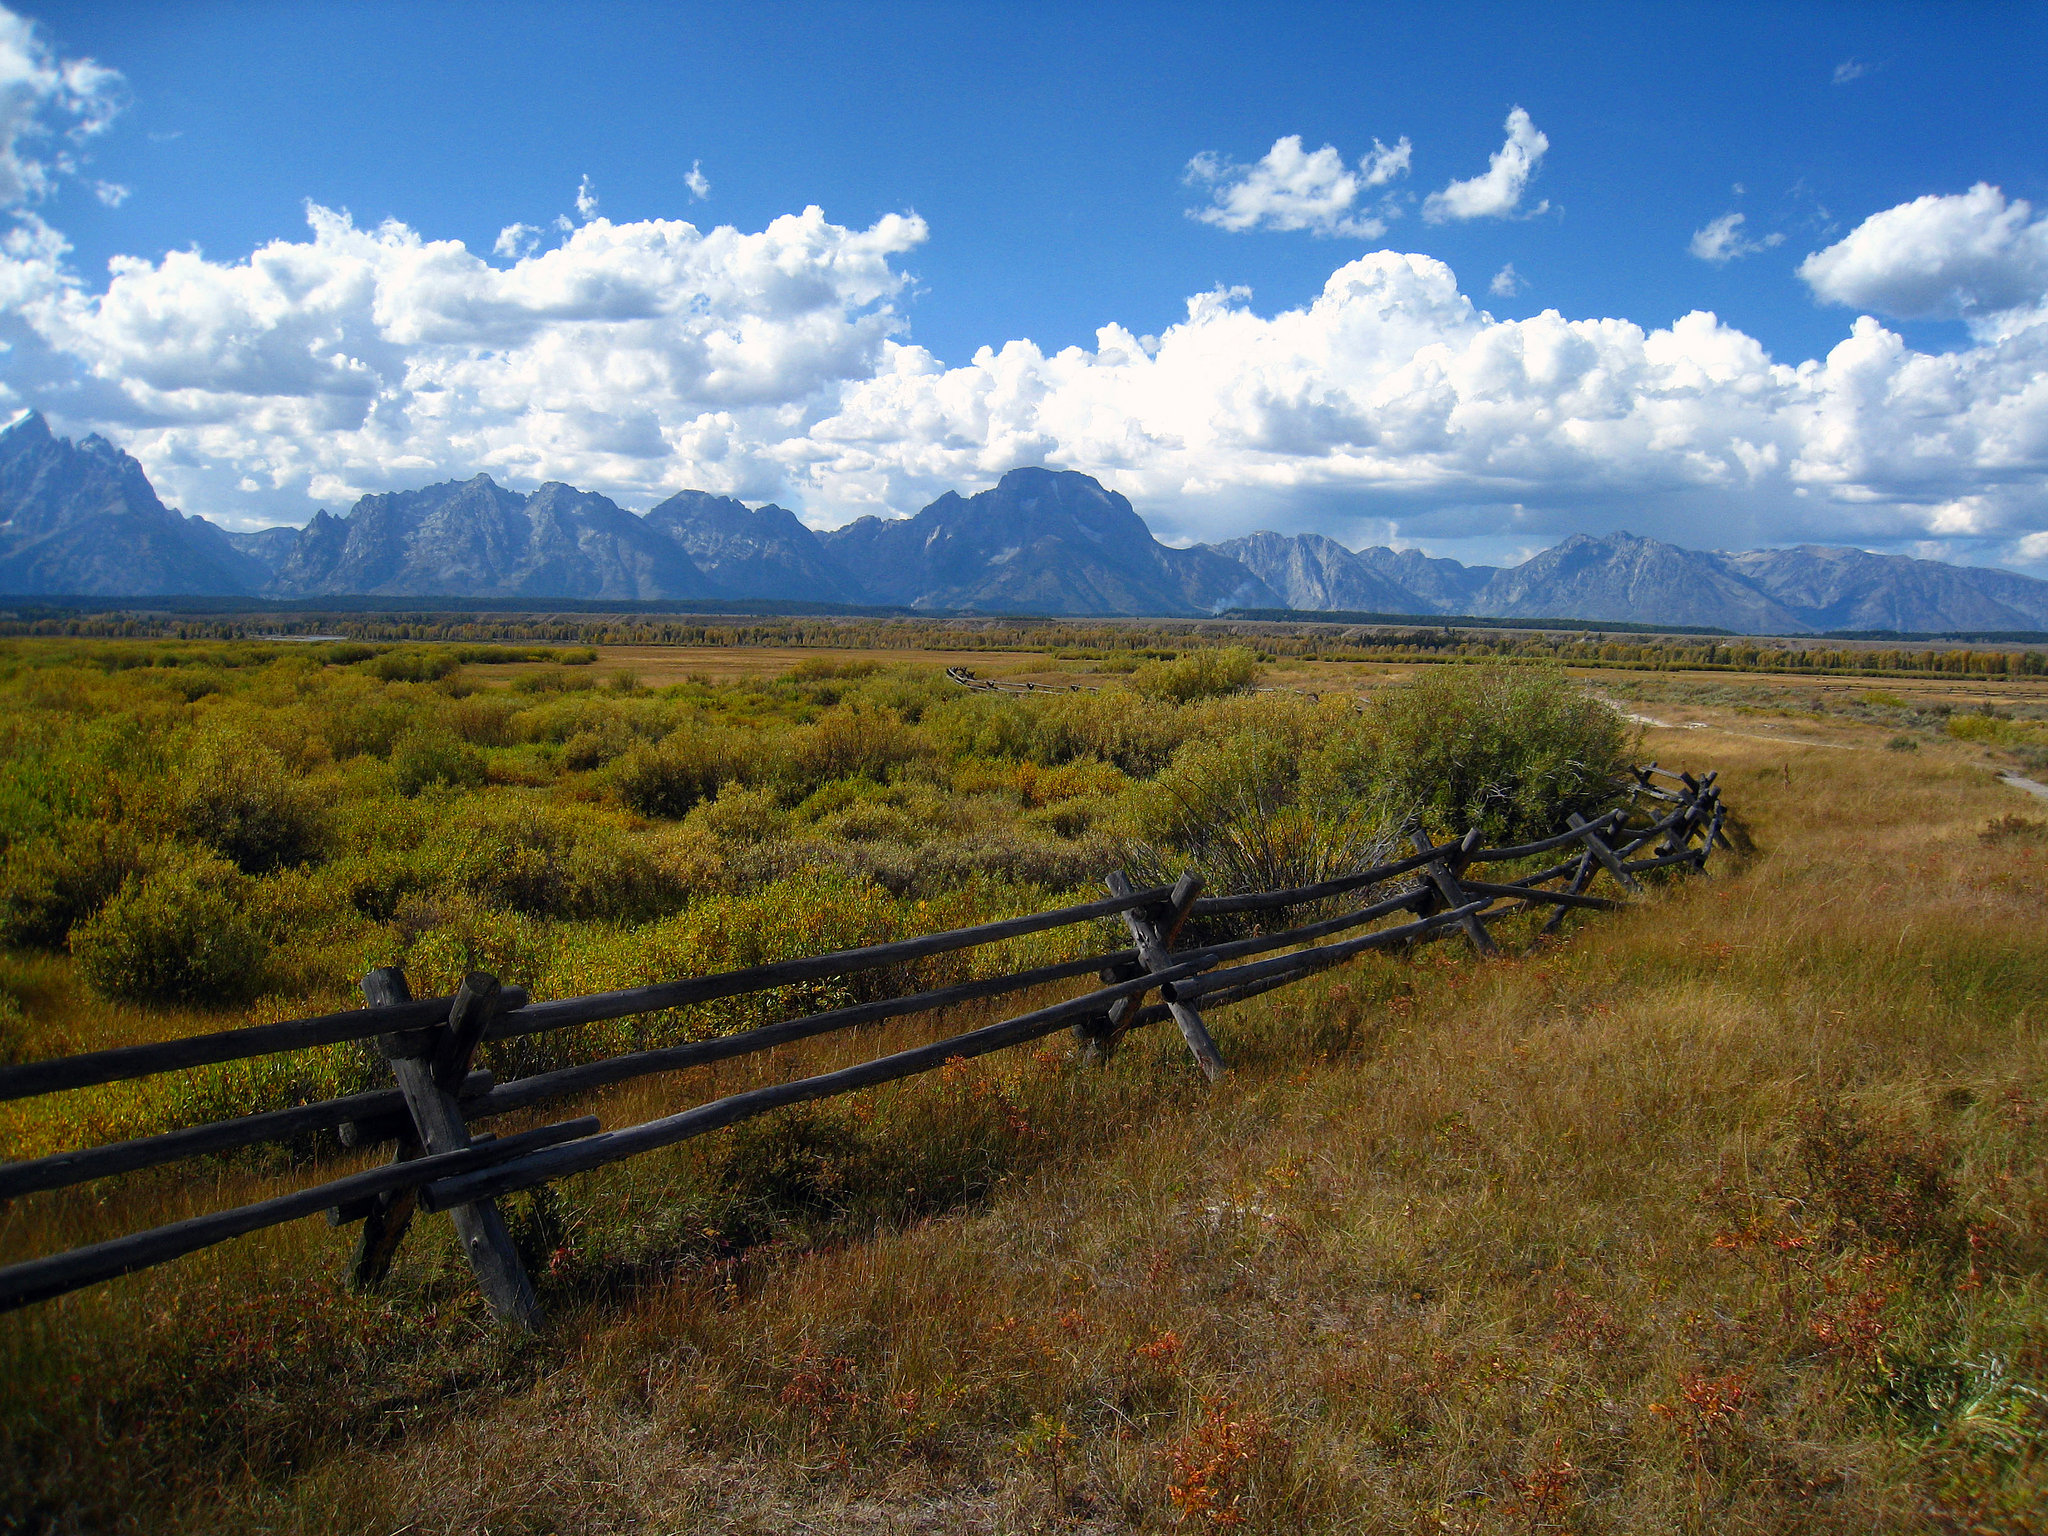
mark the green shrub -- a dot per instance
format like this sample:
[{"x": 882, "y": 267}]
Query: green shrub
[
  {"x": 412, "y": 666},
  {"x": 666, "y": 780},
  {"x": 363, "y": 722},
  {"x": 556, "y": 679},
  {"x": 484, "y": 719},
  {"x": 345, "y": 653},
  {"x": 817, "y": 669},
  {"x": 50, "y": 883},
  {"x": 1139, "y": 737},
  {"x": 1255, "y": 812},
  {"x": 981, "y": 725},
  {"x": 1204, "y": 674},
  {"x": 743, "y": 815},
  {"x": 548, "y": 862},
  {"x": 241, "y": 800},
  {"x": 851, "y": 741},
  {"x": 180, "y": 934},
  {"x": 427, "y": 757},
  {"x": 1511, "y": 750},
  {"x": 593, "y": 747}
]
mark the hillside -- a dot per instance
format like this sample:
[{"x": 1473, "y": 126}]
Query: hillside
[{"x": 83, "y": 519}]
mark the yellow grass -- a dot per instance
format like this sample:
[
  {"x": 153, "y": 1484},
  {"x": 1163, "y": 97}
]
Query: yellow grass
[{"x": 1726, "y": 1214}]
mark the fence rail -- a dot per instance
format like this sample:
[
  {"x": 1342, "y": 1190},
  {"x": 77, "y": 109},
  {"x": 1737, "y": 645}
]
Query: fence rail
[{"x": 438, "y": 1165}]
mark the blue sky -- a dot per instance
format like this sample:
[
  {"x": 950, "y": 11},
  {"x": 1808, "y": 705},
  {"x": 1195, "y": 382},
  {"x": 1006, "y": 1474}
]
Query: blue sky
[{"x": 989, "y": 177}]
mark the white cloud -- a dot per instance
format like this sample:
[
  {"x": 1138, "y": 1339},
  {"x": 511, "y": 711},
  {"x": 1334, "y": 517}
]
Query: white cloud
[
  {"x": 630, "y": 357},
  {"x": 586, "y": 201},
  {"x": 698, "y": 183},
  {"x": 112, "y": 193},
  {"x": 49, "y": 108},
  {"x": 1723, "y": 240},
  {"x": 1850, "y": 69},
  {"x": 515, "y": 241},
  {"x": 640, "y": 358},
  {"x": 1291, "y": 189},
  {"x": 1382, "y": 165},
  {"x": 1966, "y": 255},
  {"x": 1507, "y": 282},
  {"x": 1497, "y": 193}
]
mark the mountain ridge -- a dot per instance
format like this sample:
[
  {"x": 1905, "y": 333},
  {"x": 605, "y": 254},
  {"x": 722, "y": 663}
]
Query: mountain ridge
[{"x": 81, "y": 519}]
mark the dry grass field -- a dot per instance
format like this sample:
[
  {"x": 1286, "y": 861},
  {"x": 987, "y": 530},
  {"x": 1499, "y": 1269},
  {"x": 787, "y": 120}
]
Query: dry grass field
[{"x": 1725, "y": 1213}]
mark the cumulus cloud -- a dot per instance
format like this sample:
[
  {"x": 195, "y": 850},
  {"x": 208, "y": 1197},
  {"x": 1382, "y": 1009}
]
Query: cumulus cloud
[
  {"x": 515, "y": 241},
  {"x": 362, "y": 359},
  {"x": 112, "y": 193},
  {"x": 50, "y": 107},
  {"x": 1507, "y": 282},
  {"x": 1290, "y": 188},
  {"x": 698, "y": 183},
  {"x": 1961, "y": 256},
  {"x": 586, "y": 201},
  {"x": 1721, "y": 241},
  {"x": 643, "y": 357},
  {"x": 1497, "y": 193}
]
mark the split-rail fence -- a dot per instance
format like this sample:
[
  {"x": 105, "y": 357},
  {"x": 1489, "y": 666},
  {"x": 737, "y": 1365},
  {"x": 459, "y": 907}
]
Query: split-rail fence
[{"x": 1663, "y": 821}]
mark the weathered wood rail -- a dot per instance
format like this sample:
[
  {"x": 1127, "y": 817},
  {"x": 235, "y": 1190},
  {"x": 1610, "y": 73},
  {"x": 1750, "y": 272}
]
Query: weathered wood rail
[{"x": 439, "y": 1163}]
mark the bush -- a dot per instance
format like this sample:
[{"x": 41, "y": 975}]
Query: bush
[
  {"x": 1206, "y": 674},
  {"x": 241, "y": 800},
  {"x": 594, "y": 746},
  {"x": 1137, "y": 736},
  {"x": 362, "y": 723},
  {"x": 818, "y": 669},
  {"x": 1510, "y": 750},
  {"x": 51, "y": 883},
  {"x": 668, "y": 779},
  {"x": 851, "y": 741},
  {"x": 410, "y": 666},
  {"x": 1255, "y": 812},
  {"x": 550, "y": 863},
  {"x": 556, "y": 679},
  {"x": 424, "y": 758},
  {"x": 484, "y": 719},
  {"x": 181, "y": 934},
  {"x": 744, "y": 815}
]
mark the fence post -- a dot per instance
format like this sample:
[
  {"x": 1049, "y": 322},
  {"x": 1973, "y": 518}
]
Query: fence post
[
  {"x": 1152, "y": 952},
  {"x": 1098, "y": 1036},
  {"x": 427, "y": 1081},
  {"x": 1443, "y": 874},
  {"x": 1602, "y": 852},
  {"x": 1581, "y": 877}
]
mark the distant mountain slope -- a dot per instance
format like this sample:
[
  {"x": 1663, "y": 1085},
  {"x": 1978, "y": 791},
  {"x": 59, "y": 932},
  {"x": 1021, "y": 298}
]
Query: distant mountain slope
[
  {"x": 268, "y": 547},
  {"x": 1310, "y": 571},
  {"x": 1444, "y": 586},
  {"x": 758, "y": 552},
  {"x": 1624, "y": 577},
  {"x": 1040, "y": 541},
  {"x": 83, "y": 518},
  {"x": 474, "y": 537},
  {"x": 1854, "y": 589}
]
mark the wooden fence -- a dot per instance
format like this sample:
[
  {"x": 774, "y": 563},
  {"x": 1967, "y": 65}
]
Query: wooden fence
[{"x": 1662, "y": 821}]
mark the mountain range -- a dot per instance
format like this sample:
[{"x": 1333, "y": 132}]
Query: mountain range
[{"x": 81, "y": 519}]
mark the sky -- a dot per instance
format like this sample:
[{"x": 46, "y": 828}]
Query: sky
[{"x": 1468, "y": 279}]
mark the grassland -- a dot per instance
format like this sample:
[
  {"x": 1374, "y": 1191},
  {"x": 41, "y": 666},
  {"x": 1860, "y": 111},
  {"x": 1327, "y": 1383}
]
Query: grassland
[{"x": 1726, "y": 1213}]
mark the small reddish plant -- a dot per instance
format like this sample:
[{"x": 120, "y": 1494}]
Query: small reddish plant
[{"x": 1211, "y": 1468}]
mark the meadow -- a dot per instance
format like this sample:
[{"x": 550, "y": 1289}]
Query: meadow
[{"x": 1725, "y": 1212}]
